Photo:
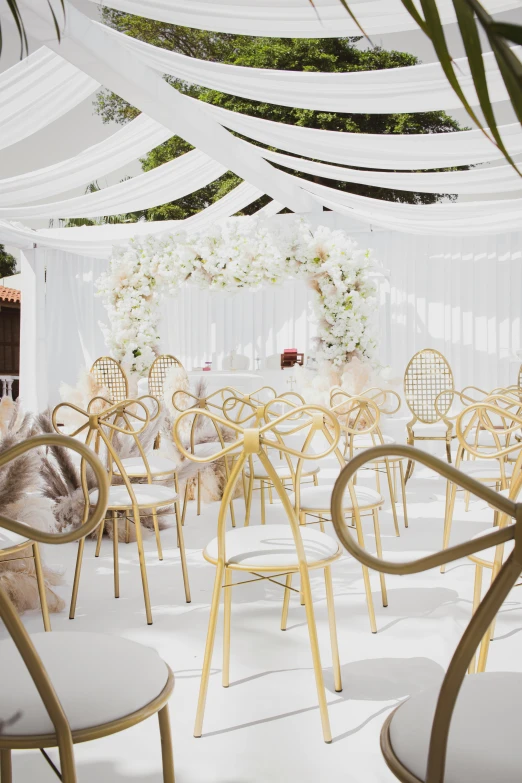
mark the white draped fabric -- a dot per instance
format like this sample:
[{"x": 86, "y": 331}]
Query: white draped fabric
[
  {"x": 290, "y": 18},
  {"x": 377, "y": 151},
  {"x": 127, "y": 144},
  {"x": 498, "y": 179},
  {"x": 170, "y": 181},
  {"x": 36, "y": 91},
  {"x": 413, "y": 89},
  {"x": 458, "y": 295}
]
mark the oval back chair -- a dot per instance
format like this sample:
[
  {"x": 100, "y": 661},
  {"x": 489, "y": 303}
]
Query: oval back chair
[
  {"x": 467, "y": 728},
  {"x": 62, "y": 688},
  {"x": 158, "y": 372},
  {"x": 110, "y": 374}
]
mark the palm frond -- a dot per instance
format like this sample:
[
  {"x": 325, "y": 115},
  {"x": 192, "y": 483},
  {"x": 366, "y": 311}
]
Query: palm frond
[{"x": 19, "y": 22}]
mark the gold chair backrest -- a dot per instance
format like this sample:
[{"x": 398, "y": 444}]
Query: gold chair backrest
[
  {"x": 8, "y": 613},
  {"x": 110, "y": 374},
  {"x": 158, "y": 372},
  {"x": 490, "y": 604},
  {"x": 427, "y": 375}
]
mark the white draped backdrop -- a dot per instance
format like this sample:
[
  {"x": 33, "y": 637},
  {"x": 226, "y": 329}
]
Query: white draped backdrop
[{"x": 462, "y": 296}]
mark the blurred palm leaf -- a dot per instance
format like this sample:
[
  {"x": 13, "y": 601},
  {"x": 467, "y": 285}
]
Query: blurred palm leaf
[{"x": 19, "y": 22}]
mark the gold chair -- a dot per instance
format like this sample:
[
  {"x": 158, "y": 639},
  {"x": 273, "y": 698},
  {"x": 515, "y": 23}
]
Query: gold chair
[
  {"x": 131, "y": 499},
  {"x": 158, "y": 372},
  {"x": 467, "y": 728},
  {"x": 16, "y": 547},
  {"x": 427, "y": 375},
  {"x": 60, "y": 689},
  {"x": 482, "y": 458},
  {"x": 267, "y": 552},
  {"x": 110, "y": 374}
]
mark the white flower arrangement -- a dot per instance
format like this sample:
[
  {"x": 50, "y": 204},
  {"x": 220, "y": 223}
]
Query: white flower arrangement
[{"x": 241, "y": 253}]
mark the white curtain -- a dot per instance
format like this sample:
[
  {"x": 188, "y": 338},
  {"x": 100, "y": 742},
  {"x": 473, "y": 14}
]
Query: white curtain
[{"x": 461, "y": 296}]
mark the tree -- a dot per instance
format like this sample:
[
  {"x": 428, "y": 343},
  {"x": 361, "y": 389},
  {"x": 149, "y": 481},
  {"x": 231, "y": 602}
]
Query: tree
[
  {"x": 7, "y": 263},
  {"x": 326, "y": 55}
]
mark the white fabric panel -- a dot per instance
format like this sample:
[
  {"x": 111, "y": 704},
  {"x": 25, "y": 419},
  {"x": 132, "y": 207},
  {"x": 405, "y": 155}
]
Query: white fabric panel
[
  {"x": 168, "y": 182},
  {"x": 386, "y": 151},
  {"x": 462, "y": 218},
  {"x": 412, "y": 89},
  {"x": 270, "y": 209},
  {"x": 127, "y": 144},
  {"x": 90, "y": 47},
  {"x": 498, "y": 179},
  {"x": 36, "y": 91},
  {"x": 290, "y": 18}
]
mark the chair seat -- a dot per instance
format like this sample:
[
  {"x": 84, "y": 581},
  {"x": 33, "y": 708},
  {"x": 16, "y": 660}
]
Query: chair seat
[
  {"x": 436, "y": 429},
  {"x": 98, "y": 678},
  {"x": 207, "y": 449},
  {"x": 272, "y": 547},
  {"x": 310, "y": 467},
  {"x": 484, "y": 469},
  {"x": 158, "y": 466},
  {"x": 366, "y": 441},
  {"x": 489, "y": 554},
  {"x": 8, "y": 539},
  {"x": 319, "y": 498},
  {"x": 484, "y": 744},
  {"x": 147, "y": 495}
]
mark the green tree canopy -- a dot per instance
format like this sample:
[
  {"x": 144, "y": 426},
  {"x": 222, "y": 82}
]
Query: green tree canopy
[
  {"x": 7, "y": 263},
  {"x": 326, "y": 55}
]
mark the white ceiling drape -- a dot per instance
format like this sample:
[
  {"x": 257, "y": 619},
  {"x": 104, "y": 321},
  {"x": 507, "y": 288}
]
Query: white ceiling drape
[
  {"x": 168, "y": 182},
  {"x": 36, "y": 91},
  {"x": 290, "y": 18},
  {"x": 418, "y": 88}
]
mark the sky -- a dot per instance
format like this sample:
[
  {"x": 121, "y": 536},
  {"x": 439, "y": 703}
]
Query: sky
[{"x": 82, "y": 127}]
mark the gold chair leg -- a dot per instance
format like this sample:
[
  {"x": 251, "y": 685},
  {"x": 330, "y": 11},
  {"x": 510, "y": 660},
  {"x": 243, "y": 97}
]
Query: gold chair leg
[
  {"x": 392, "y": 498},
  {"x": 76, "y": 582},
  {"x": 451, "y": 494},
  {"x": 448, "y": 450},
  {"x": 227, "y": 601},
  {"x": 115, "y": 549},
  {"x": 248, "y": 506},
  {"x": 467, "y": 497},
  {"x": 185, "y": 502},
  {"x": 166, "y": 745},
  {"x": 316, "y": 657},
  {"x": 411, "y": 463},
  {"x": 41, "y": 586},
  {"x": 270, "y": 494},
  {"x": 157, "y": 533},
  {"x": 143, "y": 567},
  {"x": 209, "y": 648},
  {"x": 127, "y": 530},
  {"x": 199, "y": 492},
  {"x": 99, "y": 539},
  {"x": 365, "y": 573},
  {"x": 403, "y": 492},
  {"x": 286, "y": 602},
  {"x": 336, "y": 665},
  {"x": 67, "y": 765},
  {"x": 263, "y": 512},
  {"x": 377, "y": 480},
  {"x": 477, "y": 592},
  {"x": 302, "y": 521},
  {"x": 378, "y": 546},
  {"x": 183, "y": 557},
  {"x": 316, "y": 480},
  {"x": 6, "y": 768}
]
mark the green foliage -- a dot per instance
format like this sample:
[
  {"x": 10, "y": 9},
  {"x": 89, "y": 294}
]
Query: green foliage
[
  {"x": 7, "y": 263},
  {"x": 325, "y": 55}
]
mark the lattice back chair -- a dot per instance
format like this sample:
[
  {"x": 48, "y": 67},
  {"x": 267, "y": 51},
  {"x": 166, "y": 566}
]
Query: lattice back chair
[
  {"x": 288, "y": 549},
  {"x": 126, "y": 419},
  {"x": 183, "y": 401},
  {"x": 484, "y": 458},
  {"x": 110, "y": 374},
  {"x": 385, "y": 401},
  {"x": 158, "y": 372},
  {"x": 427, "y": 375},
  {"x": 62, "y": 688},
  {"x": 465, "y": 729}
]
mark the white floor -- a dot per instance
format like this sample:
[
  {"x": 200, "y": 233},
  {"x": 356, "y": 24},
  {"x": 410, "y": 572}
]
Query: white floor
[{"x": 266, "y": 726}]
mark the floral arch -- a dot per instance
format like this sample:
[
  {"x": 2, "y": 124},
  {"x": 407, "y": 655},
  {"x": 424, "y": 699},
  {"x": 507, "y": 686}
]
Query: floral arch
[{"x": 242, "y": 253}]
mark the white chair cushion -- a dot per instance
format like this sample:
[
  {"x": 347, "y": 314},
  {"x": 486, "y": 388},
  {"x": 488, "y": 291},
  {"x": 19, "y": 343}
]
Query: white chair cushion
[
  {"x": 366, "y": 441},
  {"x": 134, "y": 466},
  {"x": 267, "y": 546},
  {"x": 281, "y": 467},
  {"x": 8, "y": 539},
  {"x": 436, "y": 430},
  {"x": 484, "y": 468},
  {"x": 147, "y": 495},
  {"x": 484, "y": 743},
  {"x": 489, "y": 554},
  {"x": 98, "y": 678},
  {"x": 319, "y": 498},
  {"x": 207, "y": 449}
]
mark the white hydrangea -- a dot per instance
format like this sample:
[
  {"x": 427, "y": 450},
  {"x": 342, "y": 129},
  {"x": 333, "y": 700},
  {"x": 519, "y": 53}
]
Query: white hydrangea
[{"x": 241, "y": 253}]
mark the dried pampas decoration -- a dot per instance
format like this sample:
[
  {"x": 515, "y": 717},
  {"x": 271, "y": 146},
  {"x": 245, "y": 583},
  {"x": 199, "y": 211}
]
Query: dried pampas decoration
[{"x": 20, "y": 500}]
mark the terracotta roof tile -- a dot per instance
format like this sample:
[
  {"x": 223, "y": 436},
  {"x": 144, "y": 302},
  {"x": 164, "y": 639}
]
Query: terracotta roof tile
[{"x": 10, "y": 294}]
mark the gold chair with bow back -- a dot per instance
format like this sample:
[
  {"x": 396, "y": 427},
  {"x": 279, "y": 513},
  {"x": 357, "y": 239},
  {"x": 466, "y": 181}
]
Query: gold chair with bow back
[
  {"x": 109, "y": 374},
  {"x": 158, "y": 372}
]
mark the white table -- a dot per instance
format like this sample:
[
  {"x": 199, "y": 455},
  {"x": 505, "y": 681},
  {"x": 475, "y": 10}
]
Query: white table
[{"x": 246, "y": 382}]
